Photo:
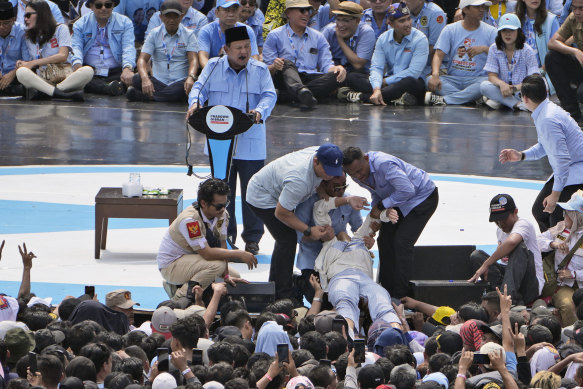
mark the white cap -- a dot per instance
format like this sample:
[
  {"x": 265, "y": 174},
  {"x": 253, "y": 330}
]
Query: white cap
[
  {"x": 164, "y": 381},
  {"x": 8, "y": 308},
  {"x": 37, "y": 300},
  {"x": 467, "y": 3}
]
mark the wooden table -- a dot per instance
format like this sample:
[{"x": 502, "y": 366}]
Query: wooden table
[{"x": 110, "y": 203}]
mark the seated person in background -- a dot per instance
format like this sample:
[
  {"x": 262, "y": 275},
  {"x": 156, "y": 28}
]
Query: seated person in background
[
  {"x": 517, "y": 262},
  {"x": 377, "y": 16},
  {"x": 192, "y": 19},
  {"x": 322, "y": 15},
  {"x": 50, "y": 44},
  {"x": 430, "y": 19},
  {"x": 352, "y": 44},
  {"x": 13, "y": 48},
  {"x": 20, "y": 10},
  {"x": 211, "y": 38},
  {"x": 104, "y": 40},
  {"x": 400, "y": 54},
  {"x": 345, "y": 267},
  {"x": 340, "y": 217},
  {"x": 172, "y": 48},
  {"x": 137, "y": 11},
  {"x": 299, "y": 58},
  {"x": 510, "y": 60},
  {"x": 495, "y": 11},
  {"x": 253, "y": 17},
  {"x": 466, "y": 44}
]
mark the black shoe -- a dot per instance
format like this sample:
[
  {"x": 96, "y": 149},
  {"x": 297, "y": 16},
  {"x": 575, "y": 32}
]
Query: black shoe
[
  {"x": 115, "y": 88},
  {"x": 34, "y": 95},
  {"x": 306, "y": 97},
  {"x": 75, "y": 96},
  {"x": 252, "y": 247},
  {"x": 135, "y": 95}
]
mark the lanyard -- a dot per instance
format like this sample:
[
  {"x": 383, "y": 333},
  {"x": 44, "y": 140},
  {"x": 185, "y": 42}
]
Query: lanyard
[
  {"x": 418, "y": 18},
  {"x": 510, "y": 65},
  {"x": 38, "y": 51},
  {"x": 169, "y": 56},
  {"x": 495, "y": 21},
  {"x": 291, "y": 42},
  {"x": 3, "y": 53}
]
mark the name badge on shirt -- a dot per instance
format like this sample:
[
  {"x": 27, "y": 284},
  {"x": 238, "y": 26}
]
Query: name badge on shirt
[
  {"x": 102, "y": 72},
  {"x": 314, "y": 50}
]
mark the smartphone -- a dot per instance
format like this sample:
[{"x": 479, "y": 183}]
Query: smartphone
[
  {"x": 337, "y": 325},
  {"x": 481, "y": 359},
  {"x": 359, "y": 350},
  {"x": 326, "y": 362},
  {"x": 32, "y": 362},
  {"x": 197, "y": 357},
  {"x": 191, "y": 284},
  {"x": 163, "y": 363},
  {"x": 283, "y": 352},
  {"x": 90, "y": 290}
]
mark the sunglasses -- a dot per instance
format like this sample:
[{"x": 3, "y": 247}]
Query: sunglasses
[
  {"x": 338, "y": 188},
  {"x": 307, "y": 10},
  {"x": 101, "y": 5},
  {"x": 218, "y": 207},
  {"x": 29, "y": 14}
]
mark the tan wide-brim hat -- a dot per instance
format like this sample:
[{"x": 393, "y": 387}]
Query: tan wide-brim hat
[
  {"x": 297, "y": 4},
  {"x": 349, "y": 8}
]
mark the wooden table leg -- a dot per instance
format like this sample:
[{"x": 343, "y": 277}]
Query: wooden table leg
[
  {"x": 98, "y": 228},
  {"x": 104, "y": 233}
]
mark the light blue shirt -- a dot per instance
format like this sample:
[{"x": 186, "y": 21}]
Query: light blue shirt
[
  {"x": 396, "y": 183},
  {"x": 169, "y": 53},
  {"x": 13, "y": 48},
  {"x": 310, "y": 52},
  {"x": 137, "y": 11},
  {"x": 322, "y": 18},
  {"x": 561, "y": 140},
  {"x": 120, "y": 36},
  {"x": 21, "y": 10},
  {"x": 401, "y": 60},
  {"x": 566, "y": 11},
  {"x": 289, "y": 180},
  {"x": 368, "y": 18},
  {"x": 227, "y": 87},
  {"x": 455, "y": 40},
  {"x": 193, "y": 20},
  {"x": 430, "y": 21},
  {"x": 255, "y": 21},
  {"x": 362, "y": 44},
  {"x": 211, "y": 39},
  {"x": 340, "y": 217}
]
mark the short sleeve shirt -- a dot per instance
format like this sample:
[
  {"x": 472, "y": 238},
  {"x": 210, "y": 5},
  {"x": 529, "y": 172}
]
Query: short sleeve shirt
[
  {"x": 572, "y": 28},
  {"x": 61, "y": 38}
]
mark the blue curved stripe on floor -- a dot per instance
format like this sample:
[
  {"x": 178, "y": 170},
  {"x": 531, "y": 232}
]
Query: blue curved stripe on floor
[{"x": 13, "y": 171}]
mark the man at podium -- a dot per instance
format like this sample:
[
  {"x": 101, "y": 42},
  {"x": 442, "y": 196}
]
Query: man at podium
[{"x": 239, "y": 81}]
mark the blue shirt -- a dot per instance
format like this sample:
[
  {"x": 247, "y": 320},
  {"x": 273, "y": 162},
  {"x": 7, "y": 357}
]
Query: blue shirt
[
  {"x": 120, "y": 36},
  {"x": 523, "y": 64},
  {"x": 455, "y": 40},
  {"x": 322, "y": 18},
  {"x": 310, "y": 52},
  {"x": 169, "y": 53},
  {"x": 368, "y": 18},
  {"x": 13, "y": 48},
  {"x": 139, "y": 12},
  {"x": 227, "y": 87},
  {"x": 430, "y": 21},
  {"x": 340, "y": 217},
  {"x": 401, "y": 60},
  {"x": 362, "y": 44},
  {"x": 255, "y": 21},
  {"x": 193, "y": 20},
  {"x": 396, "y": 183},
  {"x": 561, "y": 140},
  {"x": 21, "y": 10},
  {"x": 211, "y": 39}
]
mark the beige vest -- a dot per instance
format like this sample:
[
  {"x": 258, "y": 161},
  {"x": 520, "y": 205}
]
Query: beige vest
[{"x": 192, "y": 213}]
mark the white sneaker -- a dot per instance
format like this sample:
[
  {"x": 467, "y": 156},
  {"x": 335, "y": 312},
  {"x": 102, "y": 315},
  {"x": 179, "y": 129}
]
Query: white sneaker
[
  {"x": 433, "y": 99},
  {"x": 493, "y": 104},
  {"x": 405, "y": 99},
  {"x": 481, "y": 100}
]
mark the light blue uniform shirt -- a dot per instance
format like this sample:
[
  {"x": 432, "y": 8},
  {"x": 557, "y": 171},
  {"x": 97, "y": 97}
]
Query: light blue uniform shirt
[
  {"x": 55, "y": 10},
  {"x": 401, "y": 60},
  {"x": 13, "y": 48},
  {"x": 455, "y": 40},
  {"x": 362, "y": 43},
  {"x": 255, "y": 21},
  {"x": 211, "y": 39},
  {"x": 137, "y": 11},
  {"x": 193, "y": 20},
  {"x": 561, "y": 140},
  {"x": 169, "y": 53},
  {"x": 289, "y": 180},
  {"x": 396, "y": 183},
  {"x": 120, "y": 36},
  {"x": 340, "y": 217},
  {"x": 310, "y": 52},
  {"x": 322, "y": 18},
  {"x": 431, "y": 20},
  {"x": 227, "y": 87},
  {"x": 368, "y": 18}
]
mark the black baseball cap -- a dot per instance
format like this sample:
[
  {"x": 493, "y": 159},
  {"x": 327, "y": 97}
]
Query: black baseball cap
[
  {"x": 6, "y": 10},
  {"x": 501, "y": 206}
]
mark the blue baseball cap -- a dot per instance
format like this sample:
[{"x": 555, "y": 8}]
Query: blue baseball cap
[
  {"x": 330, "y": 156},
  {"x": 509, "y": 22},
  {"x": 226, "y": 3},
  {"x": 398, "y": 10}
]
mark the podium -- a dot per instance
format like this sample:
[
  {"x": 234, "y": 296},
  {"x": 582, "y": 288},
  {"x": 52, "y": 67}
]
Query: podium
[{"x": 221, "y": 124}]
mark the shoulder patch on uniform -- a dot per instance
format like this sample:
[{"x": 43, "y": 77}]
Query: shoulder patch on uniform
[
  {"x": 440, "y": 19},
  {"x": 193, "y": 230}
]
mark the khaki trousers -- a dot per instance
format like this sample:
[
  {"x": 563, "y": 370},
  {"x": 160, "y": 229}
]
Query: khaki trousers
[
  {"x": 75, "y": 81},
  {"x": 563, "y": 300}
]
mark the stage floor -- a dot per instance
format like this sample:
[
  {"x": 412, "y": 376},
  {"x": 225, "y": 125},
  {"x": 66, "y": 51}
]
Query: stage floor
[{"x": 54, "y": 157}]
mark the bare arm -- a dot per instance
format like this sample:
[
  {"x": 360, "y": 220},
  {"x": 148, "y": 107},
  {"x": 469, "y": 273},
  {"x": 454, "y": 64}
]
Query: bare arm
[
  {"x": 219, "y": 290},
  {"x": 203, "y": 58},
  {"x": 27, "y": 265}
]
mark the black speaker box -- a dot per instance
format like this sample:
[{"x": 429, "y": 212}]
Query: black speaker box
[
  {"x": 256, "y": 295},
  {"x": 443, "y": 292},
  {"x": 442, "y": 262}
]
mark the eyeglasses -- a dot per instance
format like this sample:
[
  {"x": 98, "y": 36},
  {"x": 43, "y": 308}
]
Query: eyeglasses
[
  {"x": 218, "y": 207},
  {"x": 338, "y": 188},
  {"x": 6, "y": 23},
  {"x": 29, "y": 14},
  {"x": 308, "y": 10},
  {"x": 101, "y": 5}
]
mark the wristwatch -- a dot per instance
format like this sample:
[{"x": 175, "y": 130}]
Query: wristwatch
[
  {"x": 193, "y": 76},
  {"x": 308, "y": 232}
]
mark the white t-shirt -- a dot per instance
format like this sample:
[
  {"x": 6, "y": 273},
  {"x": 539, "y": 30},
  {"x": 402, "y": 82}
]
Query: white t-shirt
[
  {"x": 61, "y": 38},
  {"x": 525, "y": 229}
]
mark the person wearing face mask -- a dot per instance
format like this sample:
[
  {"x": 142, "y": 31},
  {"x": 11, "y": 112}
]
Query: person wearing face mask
[{"x": 12, "y": 48}]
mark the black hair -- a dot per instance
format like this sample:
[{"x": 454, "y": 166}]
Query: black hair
[
  {"x": 132, "y": 366},
  {"x": 99, "y": 353},
  {"x": 579, "y": 311},
  {"x": 112, "y": 339},
  {"x": 259, "y": 369},
  {"x": 82, "y": 368},
  {"x": 300, "y": 356},
  {"x": 244, "y": 373},
  {"x": 201, "y": 372},
  {"x": 336, "y": 344},
  {"x": 18, "y": 383},
  {"x": 371, "y": 376},
  {"x": 186, "y": 332},
  {"x": 136, "y": 352},
  {"x": 221, "y": 352},
  {"x": 57, "y": 351},
  {"x": 117, "y": 380},
  {"x": 431, "y": 346},
  {"x": 220, "y": 372},
  {"x": 473, "y": 311},
  {"x": 321, "y": 375},
  {"x": 237, "y": 383},
  {"x": 285, "y": 306},
  {"x": 577, "y": 297},
  {"x": 306, "y": 324},
  {"x": 351, "y": 154},
  {"x": 45, "y": 25},
  {"x": 51, "y": 369},
  {"x": 256, "y": 357},
  {"x": 520, "y": 40},
  {"x": 79, "y": 335},
  {"x": 534, "y": 88},
  {"x": 386, "y": 365},
  {"x": 553, "y": 324},
  {"x": 237, "y": 318},
  {"x": 230, "y": 306},
  {"x": 537, "y": 334},
  {"x": 207, "y": 189},
  {"x": 261, "y": 319},
  {"x": 437, "y": 361},
  {"x": 399, "y": 354},
  {"x": 21, "y": 365},
  {"x": 150, "y": 346},
  {"x": 37, "y": 319},
  {"x": 341, "y": 364},
  {"x": 314, "y": 342},
  {"x": 240, "y": 354},
  {"x": 403, "y": 377},
  {"x": 133, "y": 338}
]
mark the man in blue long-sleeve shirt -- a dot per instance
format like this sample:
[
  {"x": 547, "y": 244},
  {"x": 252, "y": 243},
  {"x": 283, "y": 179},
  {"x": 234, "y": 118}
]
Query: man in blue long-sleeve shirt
[
  {"x": 394, "y": 184},
  {"x": 561, "y": 140}
]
